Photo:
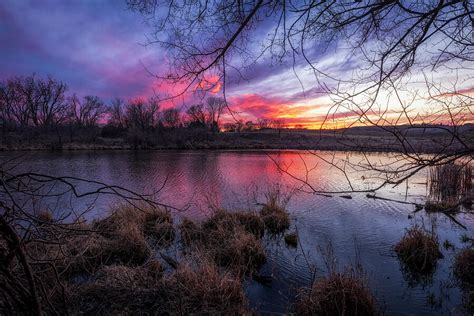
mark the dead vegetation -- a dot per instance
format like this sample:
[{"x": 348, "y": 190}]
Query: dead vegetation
[
  {"x": 449, "y": 187},
  {"x": 231, "y": 239},
  {"x": 116, "y": 264},
  {"x": 204, "y": 289},
  {"x": 464, "y": 267},
  {"x": 418, "y": 250},
  {"x": 109, "y": 267},
  {"x": 291, "y": 239},
  {"x": 340, "y": 293},
  {"x": 273, "y": 212}
]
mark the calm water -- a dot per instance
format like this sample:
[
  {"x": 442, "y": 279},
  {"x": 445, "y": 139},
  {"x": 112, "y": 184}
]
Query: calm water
[{"x": 238, "y": 180}]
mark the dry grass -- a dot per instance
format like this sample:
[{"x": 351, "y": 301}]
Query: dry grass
[
  {"x": 447, "y": 185},
  {"x": 464, "y": 267},
  {"x": 291, "y": 239},
  {"x": 119, "y": 239},
  {"x": 338, "y": 294},
  {"x": 229, "y": 239},
  {"x": 190, "y": 232},
  {"x": 252, "y": 223},
  {"x": 205, "y": 290},
  {"x": 273, "y": 212},
  {"x": 200, "y": 288},
  {"x": 86, "y": 254},
  {"x": 154, "y": 222},
  {"x": 159, "y": 225},
  {"x": 123, "y": 276},
  {"x": 419, "y": 250}
]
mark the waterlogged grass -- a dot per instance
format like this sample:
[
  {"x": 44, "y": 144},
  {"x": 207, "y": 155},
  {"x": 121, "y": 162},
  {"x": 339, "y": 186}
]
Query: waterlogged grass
[
  {"x": 419, "y": 250},
  {"x": 340, "y": 293},
  {"x": 449, "y": 187},
  {"x": 464, "y": 267},
  {"x": 113, "y": 265},
  {"x": 231, "y": 239}
]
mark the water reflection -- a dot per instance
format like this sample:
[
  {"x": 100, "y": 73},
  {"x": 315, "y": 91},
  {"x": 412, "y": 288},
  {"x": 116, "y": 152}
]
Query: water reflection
[{"x": 238, "y": 180}]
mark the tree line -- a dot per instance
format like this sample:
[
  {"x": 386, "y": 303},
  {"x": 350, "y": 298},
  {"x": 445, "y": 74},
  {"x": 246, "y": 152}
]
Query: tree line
[{"x": 34, "y": 102}]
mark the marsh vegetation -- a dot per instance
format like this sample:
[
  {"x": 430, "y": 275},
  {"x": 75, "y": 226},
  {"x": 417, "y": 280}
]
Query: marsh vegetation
[{"x": 149, "y": 258}]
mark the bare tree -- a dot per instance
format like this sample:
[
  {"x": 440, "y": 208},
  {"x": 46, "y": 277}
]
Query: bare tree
[
  {"x": 390, "y": 41},
  {"x": 263, "y": 123},
  {"x": 13, "y": 108},
  {"x": 171, "y": 118},
  {"x": 33, "y": 101},
  {"x": 278, "y": 125},
  {"x": 86, "y": 113},
  {"x": 197, "y": 116},
  {"x": 117, "y": 113},
  {"x": 48, "y": 104},
  {"x": 215, "y": 107},
  {"x": 141, "y": 114}
]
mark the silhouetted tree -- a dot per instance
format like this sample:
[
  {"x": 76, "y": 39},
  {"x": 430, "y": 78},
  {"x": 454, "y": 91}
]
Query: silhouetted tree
[
  {"x": 32, "y": 101},
  {"x": 197, "y": 116},
  {"x": 171, "y": 118},
  {"x": 142, "y": 115},
  {"x": 117, "y": 115},
  {"x": 263, "y": 123},
  {"x": 206, "y": 39},
  {"x": 249, "y": 126},
  {"x": 215, "y": 108},
  {"x": 86, "y": 113}
]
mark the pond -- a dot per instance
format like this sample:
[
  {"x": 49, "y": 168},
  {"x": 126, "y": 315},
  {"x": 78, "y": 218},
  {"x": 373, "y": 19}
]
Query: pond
[{"x": 359, "y": 230}]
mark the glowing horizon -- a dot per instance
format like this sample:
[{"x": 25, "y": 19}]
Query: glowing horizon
[{"x": 105, "y": 58}]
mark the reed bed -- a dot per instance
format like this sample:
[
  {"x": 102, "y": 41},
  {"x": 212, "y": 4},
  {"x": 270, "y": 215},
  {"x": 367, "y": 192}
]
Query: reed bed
[{"x": 449, "y": 185}]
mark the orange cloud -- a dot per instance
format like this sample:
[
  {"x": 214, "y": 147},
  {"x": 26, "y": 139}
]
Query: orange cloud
[{"x": 211, "y": 84}]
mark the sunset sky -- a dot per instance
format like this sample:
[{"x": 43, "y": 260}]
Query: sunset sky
[{"x": 96, "y": 47}]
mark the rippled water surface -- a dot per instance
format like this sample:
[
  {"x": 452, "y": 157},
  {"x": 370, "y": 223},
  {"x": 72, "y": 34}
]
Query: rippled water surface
[{"x": 358, "y": 229}]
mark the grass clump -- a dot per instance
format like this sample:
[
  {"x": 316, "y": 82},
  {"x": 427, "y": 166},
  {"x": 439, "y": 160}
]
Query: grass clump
[
  {"x": 252, "y": 223},
  {"x": 118, "y": 239},
  {"x": 228, "y": 238},
  {"x": 127, "y": 246},
  {"x": 448, "y": 185},
  {"x": 123, "y": 276},
  {"x": 159, "y": 225},
  {"x": 204, "y": 290},
  {"x": 291, "y": 239},
  {"x": 418, "y": 250},
  {"x": 273, "y": 212},
  {"x": 190, "y": 232},
  {"x": 464, "y": 267},
  {"x": 154, "y": 222},
  {"x": 338, "y": 294}
]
